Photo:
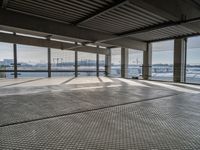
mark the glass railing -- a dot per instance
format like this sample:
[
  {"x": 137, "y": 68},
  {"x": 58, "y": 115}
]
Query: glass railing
[
  {"x": 134, "y": 71},
  {"x": 193, "y": 74},
  {"x": 6, "y": 71},
  {"x": 163, "y": 73}
]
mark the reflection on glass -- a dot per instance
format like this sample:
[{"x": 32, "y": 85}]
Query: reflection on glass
[
  {"x": 116, "y": 62},
  {"x": 135, "y": 62},
  {"x": 6, "y": 60},
  {"x": 193, "y": 60},
  {"x": 62, "y": 62},
  {"x": 32, "y": 61},
  {"x": 162, "y": 60},
  {"x": 86, "y": 64}
]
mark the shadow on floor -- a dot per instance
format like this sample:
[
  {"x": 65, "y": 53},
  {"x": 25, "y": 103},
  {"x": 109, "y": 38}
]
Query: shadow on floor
[
  {"x": 23, "y": 82},
  {"x": 67, "y": 81}
]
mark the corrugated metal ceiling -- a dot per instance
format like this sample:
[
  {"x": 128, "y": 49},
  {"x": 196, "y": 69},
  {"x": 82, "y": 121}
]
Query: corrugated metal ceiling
[
  {"x": 123, "y": 17},
  {"x": 167, "y": 32},
  {"x": 66, "y": 11}
]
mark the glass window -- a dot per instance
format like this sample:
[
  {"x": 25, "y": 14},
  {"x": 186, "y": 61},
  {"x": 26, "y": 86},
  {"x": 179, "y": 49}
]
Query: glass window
[
  {"x": 102, "y": 65},
  {"x": 62, "y": 62},
  {"x": 162, "y": 60},
  {"x": 116, "y": 62},
  {"x": 193, "y": 60},
  {"x": 32, "y": 61},
  {"x": 86, "y": 64},
  {"x": 6, "y": 60},
  {"x": 135, "y": 62}
]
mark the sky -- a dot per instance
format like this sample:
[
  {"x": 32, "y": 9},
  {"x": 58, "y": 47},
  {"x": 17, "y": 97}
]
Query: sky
[{"x": 162, "y": 53}]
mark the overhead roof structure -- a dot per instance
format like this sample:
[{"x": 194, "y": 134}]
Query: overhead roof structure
[{"x": 125, "y": 23}]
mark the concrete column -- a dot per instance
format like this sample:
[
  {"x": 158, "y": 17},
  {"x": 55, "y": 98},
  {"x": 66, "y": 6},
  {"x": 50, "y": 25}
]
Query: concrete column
[
  {"x": 179, "y": 60},
  {"x": 147, "y": 62},
  {"x": 15, "y": 60},
  {"x": 124, "y": 62},
  {"x": 108, "y": 63},
  {"x": 76, "y": 64},
  {"x": 49, "y": 58},
  {"x": 97, "y": 62},
  {"x": 49, "y": 62}
]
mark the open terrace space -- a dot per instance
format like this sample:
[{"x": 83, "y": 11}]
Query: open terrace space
[
  {"x": 98, "y": 113},
  {"x": 99, "y": 74}
]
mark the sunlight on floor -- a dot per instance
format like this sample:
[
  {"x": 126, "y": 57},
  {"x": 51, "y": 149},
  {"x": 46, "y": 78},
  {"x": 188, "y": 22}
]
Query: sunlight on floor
[
  {"x": 89, "y": 80},
  {"x": 131, "y": 82},
  {"x": 172, "y": 87}
]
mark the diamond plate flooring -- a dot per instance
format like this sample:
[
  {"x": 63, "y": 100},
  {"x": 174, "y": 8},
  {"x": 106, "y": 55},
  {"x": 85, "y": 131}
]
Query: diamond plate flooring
[{"x": 98, "y": 113}]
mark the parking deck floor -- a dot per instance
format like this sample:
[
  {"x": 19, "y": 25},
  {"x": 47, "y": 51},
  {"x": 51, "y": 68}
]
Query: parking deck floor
[{"x": 98, "y": 113}]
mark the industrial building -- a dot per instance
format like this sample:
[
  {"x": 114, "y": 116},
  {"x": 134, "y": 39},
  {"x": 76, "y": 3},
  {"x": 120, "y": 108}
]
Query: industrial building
[{"x": 99, "y": 74}]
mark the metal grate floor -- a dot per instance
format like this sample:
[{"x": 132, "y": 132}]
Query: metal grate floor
[
  {"x": 27, "y": 107},
  {"x": 166, "y": 122}
]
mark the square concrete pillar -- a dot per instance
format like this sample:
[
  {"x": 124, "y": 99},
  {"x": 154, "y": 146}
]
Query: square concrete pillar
[
  {"x": 124, "y": 62},
  {"x": 179, "y": 60},
  {"x": 49, "y": 61},
  {"x": 108, "y": 63},
  {"x": 97, "y": 62},
  {"x": 15, "y": 60},
  {"x": 76, "y": 64},
  {"x": 147, "y": 62}
]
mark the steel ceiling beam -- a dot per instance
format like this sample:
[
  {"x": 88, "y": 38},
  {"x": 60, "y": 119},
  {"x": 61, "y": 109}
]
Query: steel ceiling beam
[
  {"x": 22, "y": 23},
  {"x": 117, "y": 3},
  {"x": 17, "y": 39},
  {"x": 100, "y": 37},
  {"x": 151, "y": 28},
  {"x": 171, "y": 38},
  {"x": 177, "y": 9}
]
